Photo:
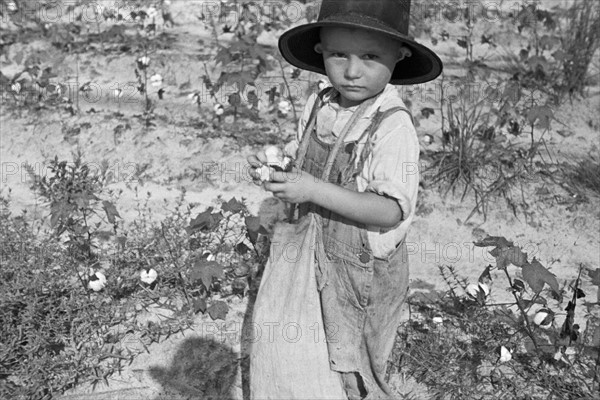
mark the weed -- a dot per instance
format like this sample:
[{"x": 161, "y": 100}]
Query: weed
[{"x": 580, "y": 41}]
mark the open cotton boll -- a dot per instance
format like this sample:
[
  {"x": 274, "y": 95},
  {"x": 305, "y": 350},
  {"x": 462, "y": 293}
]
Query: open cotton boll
[
  {"x": 264, "y": 173},
  {"x": 274, "y": 154},
  {"x": 505, "y": 355},
  {"x": 543, "y": 318},
  {"x": 97, "y": 281},
  {"x": 208, "y": 255},
  {"x": 148, "y": 275},
  {"x": 277, "y": 160},
  {"x": 472, "y": 289},
  {"x": 484, "y": 288}
]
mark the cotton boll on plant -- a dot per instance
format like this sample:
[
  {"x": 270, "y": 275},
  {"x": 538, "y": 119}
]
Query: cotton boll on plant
[
  {"x": 148, "y": 276},
  {"x": 156, "y": 80},
  {"x": 97, "y": 281},
  {"x": 543, "y": 318},
  {"x": 505, "y": 355},
  {"x": 478, "y": 291},
  {"x": 218, "y": 109},
  {"x": 283, "y": 108}
]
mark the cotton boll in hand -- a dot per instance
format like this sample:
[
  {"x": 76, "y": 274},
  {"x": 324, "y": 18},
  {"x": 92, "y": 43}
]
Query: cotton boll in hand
[
  {"x": 264, "y": 173},
  {"x": 277, "y": 160}
]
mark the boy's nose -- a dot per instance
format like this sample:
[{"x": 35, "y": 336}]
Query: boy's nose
[{"x": 352, "y": 68}]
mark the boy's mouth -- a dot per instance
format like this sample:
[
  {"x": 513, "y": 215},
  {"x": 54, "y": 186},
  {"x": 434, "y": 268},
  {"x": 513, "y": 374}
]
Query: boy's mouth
[{"x": 352, "y": 88}]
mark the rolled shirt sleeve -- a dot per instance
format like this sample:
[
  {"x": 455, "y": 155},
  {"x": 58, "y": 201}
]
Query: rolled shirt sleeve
[{"x": 392, "y": 169}]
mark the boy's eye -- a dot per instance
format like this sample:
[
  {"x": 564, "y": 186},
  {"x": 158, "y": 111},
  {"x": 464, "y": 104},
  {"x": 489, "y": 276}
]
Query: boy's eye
[
  {"x": 338, "y": 55},
  {"x": 370, "y": 56}
]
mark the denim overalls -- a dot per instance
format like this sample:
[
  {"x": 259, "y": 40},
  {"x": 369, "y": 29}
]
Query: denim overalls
[{"x": 361, "y": 296}]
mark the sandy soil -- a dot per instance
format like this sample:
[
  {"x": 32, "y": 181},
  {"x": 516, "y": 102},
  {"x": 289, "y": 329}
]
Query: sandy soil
[{"x": 558, "y": 230}]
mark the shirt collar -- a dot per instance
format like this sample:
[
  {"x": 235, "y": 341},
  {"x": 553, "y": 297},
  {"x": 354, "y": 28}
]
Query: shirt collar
[{"x": 330, "y": 99}]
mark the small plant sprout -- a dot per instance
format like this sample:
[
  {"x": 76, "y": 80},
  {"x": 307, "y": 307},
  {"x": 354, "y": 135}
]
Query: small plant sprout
[
  {"x": 148, "y": 275},
  {"x": 97, "y": 281},
  {"x": 16, "y": 87},
  {"x": 543, "y": 318},
  {"x": 141, "y": 74},
  {"x": 12, "y": 6}
]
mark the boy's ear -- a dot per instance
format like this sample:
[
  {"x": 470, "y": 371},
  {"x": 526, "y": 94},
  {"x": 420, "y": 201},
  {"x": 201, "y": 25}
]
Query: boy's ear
[
  {"x": 403, "y": 52},
  {"x": 318, "y": 48}
]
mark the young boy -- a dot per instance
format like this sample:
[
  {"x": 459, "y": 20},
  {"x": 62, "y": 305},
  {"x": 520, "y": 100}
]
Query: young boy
[{"x": 358, "y": 152}]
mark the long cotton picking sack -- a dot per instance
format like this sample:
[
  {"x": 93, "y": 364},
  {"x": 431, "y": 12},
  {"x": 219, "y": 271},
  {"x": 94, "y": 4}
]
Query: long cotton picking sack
[{"x": 289, "y": 357}]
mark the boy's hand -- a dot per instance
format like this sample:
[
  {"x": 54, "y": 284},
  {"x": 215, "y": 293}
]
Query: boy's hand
[
  {"x": 256, "y": 161},
  {"x": 295, "y": 186}
]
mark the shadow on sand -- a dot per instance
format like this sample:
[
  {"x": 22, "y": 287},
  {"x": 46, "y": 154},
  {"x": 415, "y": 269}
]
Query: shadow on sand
[{"x": 201, "y": 369}]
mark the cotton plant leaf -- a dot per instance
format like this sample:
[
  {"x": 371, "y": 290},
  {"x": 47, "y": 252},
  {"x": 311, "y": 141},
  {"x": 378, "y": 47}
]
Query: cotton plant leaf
[
  {"x": 509, "y": 255},
  {"x": 206, "y": 220},
  {"x": 199, "y": 305},
  {"x": 485, "y": 276},
  {"x": 205, "y": 271},
  {"x": 496, "y": 241},
  {"x": 254, "y": 228},
  {"x": 111, "y": 211},
  {"x": 233, "y": 205},
  {"x": 218, "y": 310},
  {"x": 595, "y": 276},
  {"x": 536, "y": 275}
]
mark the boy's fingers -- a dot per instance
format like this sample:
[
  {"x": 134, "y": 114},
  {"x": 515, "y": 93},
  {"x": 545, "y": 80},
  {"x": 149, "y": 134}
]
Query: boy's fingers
[
  {"x": 253, "y": 161},
  {"x": 286, "y": 176},
  {"x": 277, "y": 176},
  {"x": 274, "y": 187},
  {"x": 262, "y": 157}
]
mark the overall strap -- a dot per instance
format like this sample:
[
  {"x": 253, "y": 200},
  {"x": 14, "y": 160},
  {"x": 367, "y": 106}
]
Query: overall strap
[
  {"x": 359, "y": 113},
  {"x": 310, "y": 125},
  {"x": 350, "y": 172}
]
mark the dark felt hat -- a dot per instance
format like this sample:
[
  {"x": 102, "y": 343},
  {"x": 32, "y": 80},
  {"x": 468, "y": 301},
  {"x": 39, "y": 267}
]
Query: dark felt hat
[{"x": 389, "y": 17}]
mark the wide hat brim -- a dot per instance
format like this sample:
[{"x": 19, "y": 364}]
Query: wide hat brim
[{"x": 297, "y": 47}]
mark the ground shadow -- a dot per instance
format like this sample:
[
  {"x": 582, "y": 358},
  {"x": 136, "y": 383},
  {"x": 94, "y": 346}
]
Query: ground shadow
[
  {"x": 270, "y": 212},
  {"x": 201, "y": 369}
]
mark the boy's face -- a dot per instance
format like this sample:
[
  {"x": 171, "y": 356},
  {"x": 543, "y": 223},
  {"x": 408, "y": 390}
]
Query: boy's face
[{"x": 359, "y": 63}]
